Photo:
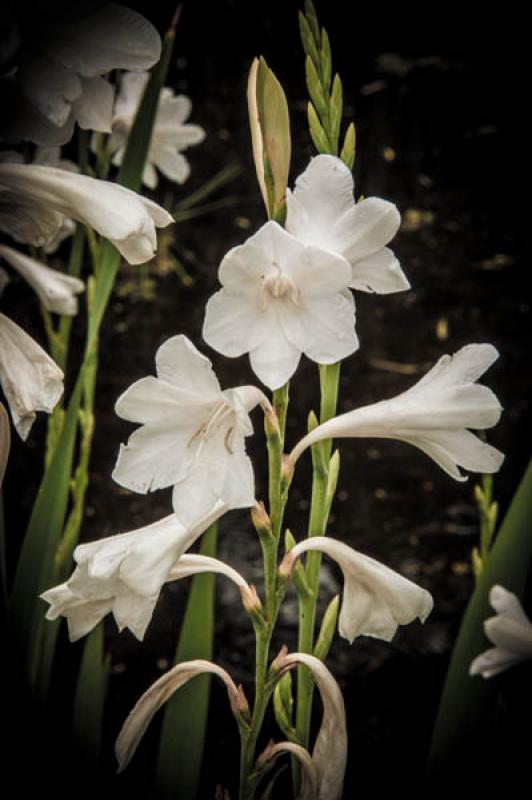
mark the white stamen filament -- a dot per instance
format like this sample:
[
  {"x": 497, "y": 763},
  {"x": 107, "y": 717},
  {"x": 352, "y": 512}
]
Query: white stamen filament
[
  {"x": 222, "y": 413},
  {"x": 277, "y": 285}
]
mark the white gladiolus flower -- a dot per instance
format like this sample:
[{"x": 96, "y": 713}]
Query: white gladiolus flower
[
  {"x": 170, "y": 136},
  {"x": 30, "y": 379},
  {"x": 281, "y": 298},
  {"x": 192, "y": 434},
  {"x": 433, "y": 415},
  {"x": 511, "y": 633},
  {"x": 56, "y": 290},
  {"x": 309, "y": 788},
  {"x": 35, "y": 199},
  {"x": 376, "y": 599},
  {"x": 329, "y": 755},
  {"x": 60, "y": 81},
  {"x": 156, "y": 696},
  {"x": 124, "y": 574},
  {"x": 321, "y": 211}
]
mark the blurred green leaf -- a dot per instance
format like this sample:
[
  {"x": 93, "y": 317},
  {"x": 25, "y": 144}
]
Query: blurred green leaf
[{"x": 89, "y": 699}]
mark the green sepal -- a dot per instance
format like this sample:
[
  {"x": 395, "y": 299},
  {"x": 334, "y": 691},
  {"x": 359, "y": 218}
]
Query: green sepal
[
  {"x": 283, "y": 705},
  {"x": 312, "y": 17},
  {"x": 336, "y": 111},
  {"x": 327, "y": 629},
  {"x": 308, "y": 41},
  {"x": 315, "y": 89},
  {"x": 318, "y": 135},
  {"x": 326, "y": 60},
  {"x": 348, "y": 150},
  {"x": 299, "y": 576}
]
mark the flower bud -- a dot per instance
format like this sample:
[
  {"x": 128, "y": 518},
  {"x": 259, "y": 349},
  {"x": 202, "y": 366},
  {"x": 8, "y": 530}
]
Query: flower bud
[
  {"x": 250, "y": 599},
  {"x": 261, "y": 519}
]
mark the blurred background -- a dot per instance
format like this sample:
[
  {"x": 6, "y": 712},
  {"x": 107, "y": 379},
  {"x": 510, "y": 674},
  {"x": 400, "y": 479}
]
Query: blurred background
[{"x": 434, "y": 97}]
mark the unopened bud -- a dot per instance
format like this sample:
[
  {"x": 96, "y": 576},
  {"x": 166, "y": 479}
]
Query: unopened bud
[
  {"x": 250, "y": 599},
  {"x": 261, "y": 519},
  {"x": 286, "y": 567},
  {"x": 279, "y": 661},
  {"x": 287, "y": 471},
  {"x": 271, "y": 423},
  {"x": 479, "y": 495},
  {"x": 239, "y": 704}
]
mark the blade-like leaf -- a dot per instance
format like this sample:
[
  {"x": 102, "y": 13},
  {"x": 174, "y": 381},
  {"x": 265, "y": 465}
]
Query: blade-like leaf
[{"x": 89, "y": 700}]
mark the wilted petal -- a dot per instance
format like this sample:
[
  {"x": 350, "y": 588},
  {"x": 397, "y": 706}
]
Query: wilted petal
[
  {"x": 5, "y": 442},
  {"x": 151, "y": 701},
  {"x": 56, "y": 290},
  {"x": 309, "y": 788},
  {"x": 30, "y": 379},
  {"x": 93, "y": 109}
]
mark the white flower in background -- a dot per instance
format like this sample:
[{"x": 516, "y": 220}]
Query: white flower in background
[
  {"x": 309, "y": 787},
  {"x": 433, "y": 415},
  {"x": 59, "y": 80},
  {"x": 281, "y": 298},
  {"x": 170, "y": 136},
  {"x": 156, "y": 696},
  {"x": 57, "y": 291},
  {"x": 124, "y": 574},
  {"x": 376, "y": 599},
  {"x": 321, "y": 211},
  {"x": 31, "y": 381},
  {"x": 329, "y": 755},
  {"x": 34, "y": 200},
  {"x": 192, "y": 434},
  {"x": 511, "y": 633}
]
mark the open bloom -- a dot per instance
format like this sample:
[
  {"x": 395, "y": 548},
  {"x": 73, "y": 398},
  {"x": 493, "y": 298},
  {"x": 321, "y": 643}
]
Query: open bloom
[
  {"x": 35, "y": 199},
  {"x": 433, "y": 415},
  {"x": 31, "y": 380},
  {"x": 170, "y": 136},
  {"x": 510, "y": 631},
  {"x": 156, "y": 696},
  {"x": 57, "y": 291},
  {"x": 60, "y": 80},
  {"x": 192, "y": 434},
  {"x": 124, "y": 574},
  {"x": 281, "y": 298},
  {"x": 329, "y": 755},
  {"x": 376, "y": 599},
  {"x": 321, "y": 211}
]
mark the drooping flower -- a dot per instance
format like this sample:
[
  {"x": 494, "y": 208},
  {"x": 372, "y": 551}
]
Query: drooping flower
[
  {"x": 60, "y": 81},
  {"x": 321, "y": 211},
  {"x": 433, "y": 415},
  {"x": 56, "y": 290},
  {"x": 124, "y": 574},
  {"x": 170, "y": 136},
  {"x": 154, "y": 698},
  {"x": 309, "y": 789},
  {"x": 281, "y": 298},
  {"x": 376, "y": 599},
  {"x": 35, "y": 199},
  {"x": 329, "y": 755},
  {"x": 30, "y": 379},
  {"x": 510, "y": 631},
  {"x": 192, "y": 434}
]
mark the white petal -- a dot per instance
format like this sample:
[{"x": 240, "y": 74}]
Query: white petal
[
  {"x": 22, "y": 121},
  {"x": 309, "y": 774},
  {"x": 27, "y": 221},
  {"x": 507, "y": 603},
  {"x": 189, "y": 565},
  {"x": 180, "y": 363},
  {"x": 234, "y": 324},
  {"x": 171, "y": 163},
  {"x": 152, "y": 400},
  {"x": 49, "y": 87},
  {"x": 132, "y": 85},
  {"x": 493, "y": 661},
  {"x": 459, "y": 447},
  {"x": 509, "y": 634},
  {"x": 173, "y": 110},
  {"x": 380, "y": 272},
  {"x": 323, "y": 329},
  {"x": 93, "y": 110},
  {"x": 275, "y": 360},
  {"x": 466, "y": 366},
  {"x": 31, "y": 381},
  {"x": 315, "y": 272}
]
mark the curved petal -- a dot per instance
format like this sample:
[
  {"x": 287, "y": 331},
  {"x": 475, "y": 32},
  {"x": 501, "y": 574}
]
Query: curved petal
[
  {"x": 275, "y": 360},
  {"x": 132, "y": 85},
  {"x": 93, "y": 109},
  {"x": 151, "y": 400},
  {"x": 234, "y": 324},
  {"x": 493, "y": 661},
  {"x": 180, "y": 363},
  {"x": 173, "y": 110},
  {"x": 323, "y": 329},
  {"x": 171, "y": 163},
  {"x": 316, "y": 272},
  {"x": 49, "y": 87},
  {"x": 309, "y": 774},
  {"x": 380, "y": 273}
]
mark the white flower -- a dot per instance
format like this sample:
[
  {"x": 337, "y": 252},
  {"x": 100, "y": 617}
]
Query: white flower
[
  {"x": 321, "y": 211},
  {"x": 156, "y": 696},
  {"x": 34, "y": 200},
  {"x": 329, "y": 755},
  {"x": 192, "y": 434},
  {"x": 376, "y": 599},
  {"x": 281, "y": 298},
  {"x": 309, "y": 774},
  {"x": 433, "y": 415},
  {"x": 170, "y": 135},
  {"x": 56, "y": 290},
  {"x": 510, "y": 631},
  {"x": 124, "y": 574},
  {"x": 60, "y": 81},
  {"x": 31, "y": 381}
]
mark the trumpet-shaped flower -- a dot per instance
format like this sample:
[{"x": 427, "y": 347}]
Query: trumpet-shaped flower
[
  {"x": 511, "y": 633},
  {"x": 31, "y": 380},
  {"x": 433, "y": 415},
  {"x": 321, "y": 211},
  {"x": 376, "y": 599},
  {"x": 124, "y": 574},
  {"x": 281, "y": 298},
  {"x": 56, "y": 290},
  {"x": 329, "y": 755},
  {"x": 60, "y": 81},
  {"x": 35, "y": 199},
  {"x": 156, "y": 696},
  {"x": 192, "y": 434},
  {"x": 170, "y": 136}
]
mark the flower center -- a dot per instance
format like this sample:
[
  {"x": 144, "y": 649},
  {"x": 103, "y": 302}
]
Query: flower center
[
  {"x": 220, "y": 415},
  {"x": 277, "y": 285}
]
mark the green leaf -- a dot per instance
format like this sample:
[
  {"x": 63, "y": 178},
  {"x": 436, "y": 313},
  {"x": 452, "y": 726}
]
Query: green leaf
[
  {"x": 466, "y": 699},
  {"x": 336, "y": 111},
  {"x": 326, "y": 60},
  {"x": 319, "y": 137},
  {"x": 89, "y": 699},
  {"x": 327, "y": 629},
  {"x": 348, "y": 150},
  {"x": 315, "y": 89},
  {"x": 308, "y": 41},
  {"x": 185, "y": 716}
]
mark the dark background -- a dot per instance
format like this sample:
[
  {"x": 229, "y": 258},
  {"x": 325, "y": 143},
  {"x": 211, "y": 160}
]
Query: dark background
[{"x": 435, "y": 97}]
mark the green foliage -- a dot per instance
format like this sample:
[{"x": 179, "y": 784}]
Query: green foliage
[
  {"x": 283, "y": 705},
  {"x": 89, "y": 699},
  {"x": 327, "y": 629}
]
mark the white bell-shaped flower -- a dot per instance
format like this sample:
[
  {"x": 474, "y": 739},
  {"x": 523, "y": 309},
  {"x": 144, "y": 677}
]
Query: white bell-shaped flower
[
  {"x": 30, "y": 379},
  {"x": 433, "y": 415},
  {"x": 321, "y": 211},
  {"x": 510, "y": 631},
  {"x": 281, "y": 298},
  {"x": 192, "y": 434},
  {"x": 376, "y": 599}
]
